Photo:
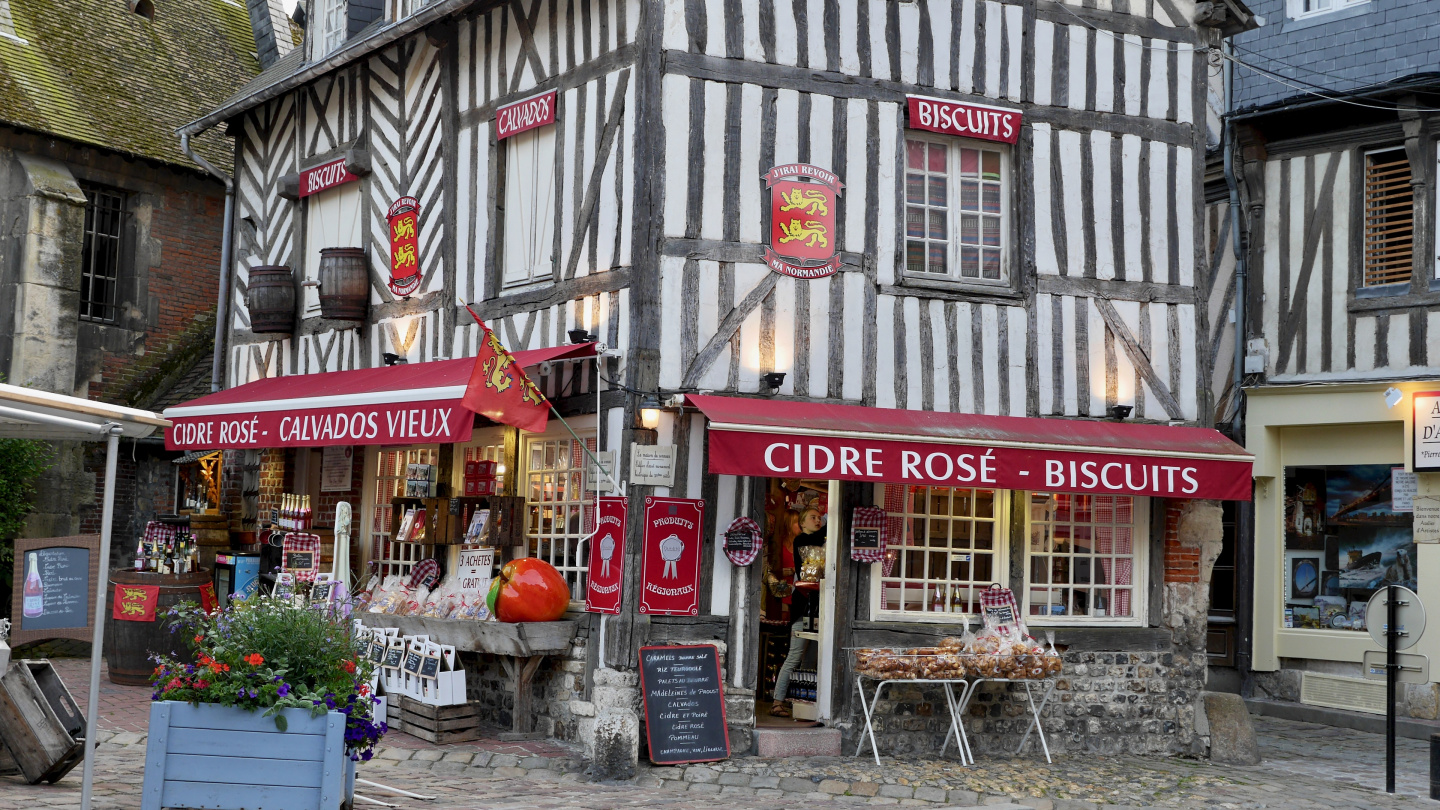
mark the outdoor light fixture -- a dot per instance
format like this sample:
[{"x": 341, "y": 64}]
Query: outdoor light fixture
[
  {"x": 1393, "y": 396},
  {"x": 392, "y": 359},
  {"x": 1120, "y": 412},
  {"x": 773, "y": 380},
  {"x": 579, "y": 336},
  {"x": 650, "y": 412}
]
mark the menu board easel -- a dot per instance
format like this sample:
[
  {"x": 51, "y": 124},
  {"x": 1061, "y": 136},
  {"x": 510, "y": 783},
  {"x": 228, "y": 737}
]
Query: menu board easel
[
  {"x": 66, "y": 568},
  {"x": 684, "y": 704}
]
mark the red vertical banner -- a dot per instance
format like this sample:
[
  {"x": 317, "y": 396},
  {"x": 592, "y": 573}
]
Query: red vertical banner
[
  {"x": 607, "y": 558},
  {"x": 670, "y": 559},
  {"x": 404, "y": 220}
]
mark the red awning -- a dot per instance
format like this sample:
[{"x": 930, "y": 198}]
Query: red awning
[
  {"x": 776, "y": 438},
  {"x": 402, "y": 404}
]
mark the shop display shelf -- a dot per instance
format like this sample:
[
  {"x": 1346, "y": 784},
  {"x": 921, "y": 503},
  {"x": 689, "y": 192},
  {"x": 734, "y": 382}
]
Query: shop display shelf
[{"x": 498, "y": 638}]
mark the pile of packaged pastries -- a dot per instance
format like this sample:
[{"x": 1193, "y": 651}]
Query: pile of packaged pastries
[{"x": 993, "y": 653}]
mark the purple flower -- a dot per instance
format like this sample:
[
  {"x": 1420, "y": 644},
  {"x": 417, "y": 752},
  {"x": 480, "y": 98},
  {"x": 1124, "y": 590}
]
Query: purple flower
[{"x": 284, "y": 689}]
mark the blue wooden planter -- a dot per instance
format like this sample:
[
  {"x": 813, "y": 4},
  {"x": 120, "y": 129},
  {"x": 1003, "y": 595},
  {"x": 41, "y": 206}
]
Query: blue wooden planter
[{"x": 211, "y": 757}]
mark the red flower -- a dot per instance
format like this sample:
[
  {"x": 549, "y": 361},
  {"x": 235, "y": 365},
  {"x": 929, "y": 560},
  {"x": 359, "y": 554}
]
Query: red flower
[
  {"x": 202, "y": 684},
  {"x": 254, "y": 659},
  {"x": 348, "y": 666},
  {"x": 199, "y": 639}
]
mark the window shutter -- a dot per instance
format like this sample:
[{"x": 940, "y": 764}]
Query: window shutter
[
  {"x": 529, "y": 205},
  {"x": 1389, "y": 218}
]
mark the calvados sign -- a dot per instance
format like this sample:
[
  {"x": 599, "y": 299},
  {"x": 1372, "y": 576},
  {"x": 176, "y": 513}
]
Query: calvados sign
[
  {"x": 607, "y": 558},
  {"x": 524, "y": 115},
  {"x": 670, "y": 558},
  {"x": 404, "y": 219},
  {"x": 442, "y": 421},
  {"x": 802, "y": 220},
  {"x": 966, "y": 120},
  {"x": 325, "y": 176}
]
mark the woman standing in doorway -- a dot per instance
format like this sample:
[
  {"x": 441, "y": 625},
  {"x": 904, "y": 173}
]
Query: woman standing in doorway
[{"x": 804, "y": 603}]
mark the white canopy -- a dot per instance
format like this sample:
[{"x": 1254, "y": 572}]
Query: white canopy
[{"x": 26, "y": 413}]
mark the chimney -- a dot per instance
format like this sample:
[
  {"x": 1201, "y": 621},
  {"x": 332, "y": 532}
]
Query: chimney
[{"x": 272, "y": 30}]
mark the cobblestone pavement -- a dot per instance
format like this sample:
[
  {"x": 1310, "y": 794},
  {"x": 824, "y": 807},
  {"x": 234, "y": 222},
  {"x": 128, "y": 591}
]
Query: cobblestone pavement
[{"x": 1306, "y": 767}]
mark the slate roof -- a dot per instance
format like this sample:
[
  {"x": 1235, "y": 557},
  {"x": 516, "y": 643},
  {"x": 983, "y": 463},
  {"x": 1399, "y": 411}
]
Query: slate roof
[{"x": 96, "y": 72}]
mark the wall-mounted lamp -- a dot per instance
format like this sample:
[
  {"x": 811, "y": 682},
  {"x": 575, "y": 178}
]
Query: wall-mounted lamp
[
  {"x": 1120, "y": 412},
  {"x": 392, "y": 359},
  {"x": 650, "y": 412},
  {"x": 772, "y": 381},
  {"x": 1393, "y": 396},
  {"x": 579, "y": 336}
]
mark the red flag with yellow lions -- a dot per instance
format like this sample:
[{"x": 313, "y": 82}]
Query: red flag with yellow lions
[{"x": 500, "y": 391}]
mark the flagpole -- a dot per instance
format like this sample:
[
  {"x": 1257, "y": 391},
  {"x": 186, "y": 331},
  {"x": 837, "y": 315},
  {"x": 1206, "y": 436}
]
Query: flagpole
[{"x": 614, "y": 485}]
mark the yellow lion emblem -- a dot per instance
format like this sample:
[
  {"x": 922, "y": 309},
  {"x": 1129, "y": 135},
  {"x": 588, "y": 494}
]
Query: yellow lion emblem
[
  {"x": 810, "y": 232},
  {"x": 813, "y": 203},
  {"x": 495, "y": 376}
]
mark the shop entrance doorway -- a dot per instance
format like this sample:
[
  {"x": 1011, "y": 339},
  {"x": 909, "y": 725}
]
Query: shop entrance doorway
[{"x": 796, "y": 655}]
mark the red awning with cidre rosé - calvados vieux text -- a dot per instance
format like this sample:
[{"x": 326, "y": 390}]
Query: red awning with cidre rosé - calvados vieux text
[
  {"x": 776, "y": 438},
  {"x": 410, "y": 403}
]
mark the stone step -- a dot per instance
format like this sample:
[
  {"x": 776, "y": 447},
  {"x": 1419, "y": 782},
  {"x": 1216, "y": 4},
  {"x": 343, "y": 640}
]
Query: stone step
[{"x": 797, "y": 742}]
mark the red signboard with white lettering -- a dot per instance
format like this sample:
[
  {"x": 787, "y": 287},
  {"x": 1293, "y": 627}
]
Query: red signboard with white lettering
[
  {"x": 325, "y": 176},
  {"x": 524, "y": 115},
  {"x": 999, "y": 466},
  {"x": 607, "y": 558},
  {"x": 442, "y": 421},
  {"x": 967, "y": 120},
  {"x": 670, "y": 558}
]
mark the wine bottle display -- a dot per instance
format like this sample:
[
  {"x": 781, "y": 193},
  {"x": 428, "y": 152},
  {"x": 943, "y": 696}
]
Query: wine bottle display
[{"x": 34, "y": 602}]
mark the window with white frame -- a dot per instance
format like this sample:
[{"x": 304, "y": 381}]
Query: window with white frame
[
  {"x": 1086, "y": 558},
  {"x": 956, "y": 210},
  {"x": 529, "y": 213},
  {"x": 558, "y": 509},
  {"x": 946, "y": 547},
  {"x": 1301, "y": 9},
  {"x": 334, "y": 26},
  {"x": 392, "y": 464}
]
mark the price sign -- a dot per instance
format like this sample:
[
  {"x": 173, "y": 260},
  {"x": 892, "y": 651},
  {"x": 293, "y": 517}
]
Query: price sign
[
  {"x": 475, "y": 569},
  {"x": 53, "y": 584},
  {"x": 684, "y": 704},
  {"x": 412, "y": 662},
  {"x": 865, "y": 538}
]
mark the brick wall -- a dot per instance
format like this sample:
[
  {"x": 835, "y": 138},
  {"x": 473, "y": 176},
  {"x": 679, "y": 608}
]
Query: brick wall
[
  {"x": 274, "y": 466},
  {"x": 1182, "y": 563}
]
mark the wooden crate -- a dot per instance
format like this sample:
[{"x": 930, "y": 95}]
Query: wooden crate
[
  {"x": 437, "y": 517},
  {"x": 39, "y": 737},
  {"x": 440, "y": 724}
]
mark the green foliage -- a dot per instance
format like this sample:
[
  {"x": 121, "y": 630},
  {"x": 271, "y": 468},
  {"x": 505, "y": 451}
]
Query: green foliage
[{"x": 22, "y": 461}]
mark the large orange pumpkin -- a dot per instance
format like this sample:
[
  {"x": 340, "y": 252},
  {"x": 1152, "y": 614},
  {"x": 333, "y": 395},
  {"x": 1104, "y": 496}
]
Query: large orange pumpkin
[{"x": 528, "y": 590}]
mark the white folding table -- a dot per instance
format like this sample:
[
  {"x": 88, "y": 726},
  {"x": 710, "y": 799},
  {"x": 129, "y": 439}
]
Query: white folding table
[{"x": 957, "y": 707}]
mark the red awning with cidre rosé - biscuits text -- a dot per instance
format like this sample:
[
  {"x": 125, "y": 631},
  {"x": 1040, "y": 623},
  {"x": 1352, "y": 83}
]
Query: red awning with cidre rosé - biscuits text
[
  {"x": 408, "y": 403},
  {"x": 780, "y": 439}
]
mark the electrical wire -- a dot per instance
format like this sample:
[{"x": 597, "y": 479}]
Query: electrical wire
[
  {"x": 1316, "y": 90},
  {"x": 1290, "y": 65}
]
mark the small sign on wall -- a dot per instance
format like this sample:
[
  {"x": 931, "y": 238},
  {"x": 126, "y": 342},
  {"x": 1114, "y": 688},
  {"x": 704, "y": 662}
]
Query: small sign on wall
[
  {"x": 525, "y": 115},
  {"x": 325, "y": 176},
  {"x": 1426, "y": 438},
  {"x": 652, "y": 465},
  {"x": 978, "y": 121}
]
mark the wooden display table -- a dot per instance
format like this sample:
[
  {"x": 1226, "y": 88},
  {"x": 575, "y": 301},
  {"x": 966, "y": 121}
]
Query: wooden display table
[{"x": 521, "y": 648}]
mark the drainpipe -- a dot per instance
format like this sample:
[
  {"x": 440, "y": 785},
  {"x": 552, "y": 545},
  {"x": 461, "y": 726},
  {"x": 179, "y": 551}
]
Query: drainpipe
[
  {"x": 227, "y": 236},
  {"x": 1237, "y": 243}
]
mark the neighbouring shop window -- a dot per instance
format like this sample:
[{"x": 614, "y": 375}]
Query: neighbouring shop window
[
  {"x": 946, "y": 547},
  {"x": 1389, "y": 217},
  {"x": 100, "y": 253},
  {"x": 559, "y": 509},
  {"x": 529, "y": 212},
  {"x": 956, "y": 203},
  {"x": 390, "y": 471},
  {"x": 332, "y": 219},
  {"x": 1345, "y": 538},
  {"x": 1086, "y": 557}
]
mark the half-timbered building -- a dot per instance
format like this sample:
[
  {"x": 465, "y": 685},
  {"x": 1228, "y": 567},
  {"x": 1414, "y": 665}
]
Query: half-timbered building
[
  {"x": 1003, "y": 249},
  {"x": 1334, "y": 167}
]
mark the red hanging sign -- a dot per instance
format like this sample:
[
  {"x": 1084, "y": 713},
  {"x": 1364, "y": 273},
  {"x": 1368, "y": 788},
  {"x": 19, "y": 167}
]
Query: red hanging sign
[
  {"x": 802, "y": 220},
  {"x": 670, "y": 560},
  {"x": 607, "y": 558},
  {"x": 325, "y": 176},
  {"x": 208, "y": 602},
  {"x": 404, "y": 219},
  {"x": 135, "y": 603},
  {"x": 966, "y": 120},
  {"x": 524, "y": 115}
]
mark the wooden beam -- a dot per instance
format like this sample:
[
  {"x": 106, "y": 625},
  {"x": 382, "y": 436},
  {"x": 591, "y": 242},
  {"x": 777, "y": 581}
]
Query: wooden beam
[
  {"x": 1319, "y": 218},
  {"x": 1138, "y": 358},
  {"x": 1115, "y": 289},
  {"x": 602, "y": 159},
  {"x": 727, "y": 328}
]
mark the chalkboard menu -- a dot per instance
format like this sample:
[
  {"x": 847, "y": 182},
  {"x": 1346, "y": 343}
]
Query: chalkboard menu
[
  {"x": 54, "y": 581},
  {"x": 684, "y": 704}
]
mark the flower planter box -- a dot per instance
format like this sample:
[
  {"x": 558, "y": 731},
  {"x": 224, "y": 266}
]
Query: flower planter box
[{"x": 211, "y": 757}]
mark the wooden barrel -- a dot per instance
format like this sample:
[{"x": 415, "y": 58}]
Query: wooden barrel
[
  {"x": 129, "y": 645},
  {"x": 344, "y": 284},
  {"x": 270, "y": 297},
  {"x": 210, "y": 530}
]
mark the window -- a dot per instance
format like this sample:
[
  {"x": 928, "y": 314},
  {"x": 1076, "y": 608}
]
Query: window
[
  {"x": 559, "y": 509},
  {"x": 1085, "y": 557},
  {"x": 404, "y": 8},
  {"x": 332, "y": 219},
  {"x": 1344, "y": 540},
  {"x": 395, "y": 558},
  {"x": 529, "y": 230},
  {"x": 100, "y": 253},
  {"x": 1300, "y": 9},
  {"x": 1389, "y": 217},
  {"x": 956, "y": 203},
  {"x": 946, "y": 547},
  {"x": 334, "y": 25}
]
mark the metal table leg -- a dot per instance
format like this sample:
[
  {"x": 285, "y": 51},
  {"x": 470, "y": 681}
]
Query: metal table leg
[
  {"x": 1035, "y": 718},
  {"x": 868, "y": 708},
  {"x": 957, "y": 728}
]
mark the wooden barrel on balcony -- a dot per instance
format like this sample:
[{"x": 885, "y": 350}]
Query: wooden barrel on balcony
[
  {"x": 270, "y": 297},
  {"x": 344, "y": 284}
]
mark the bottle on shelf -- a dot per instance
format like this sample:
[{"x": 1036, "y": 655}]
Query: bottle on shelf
[
  {"x": 34, "y": 603},
  {"x": 139, "y": 556}
]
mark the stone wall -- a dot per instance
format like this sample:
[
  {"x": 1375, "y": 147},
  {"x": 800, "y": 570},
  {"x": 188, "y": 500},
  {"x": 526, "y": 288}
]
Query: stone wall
[{"x": 557, "y": 691}]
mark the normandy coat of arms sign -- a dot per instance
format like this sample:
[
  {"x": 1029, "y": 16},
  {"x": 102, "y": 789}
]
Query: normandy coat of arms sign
[
  {"x": 404, "y": 220},
  {"x": 802, "y": 220}
]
